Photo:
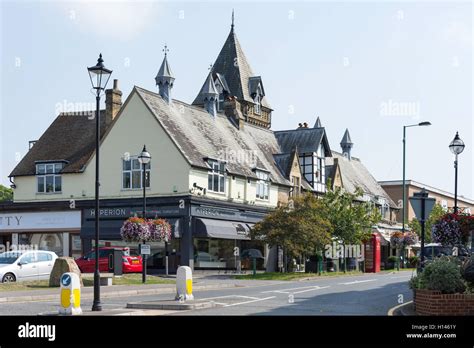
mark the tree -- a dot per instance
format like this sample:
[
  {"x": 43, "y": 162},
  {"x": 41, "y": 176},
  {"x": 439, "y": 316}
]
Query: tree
[
  {"x": 351, "y": 219},
  {"x": 6, "y": 194},
  {"x": 435, "y": 216},
  {"x": 300, "y": 228}
]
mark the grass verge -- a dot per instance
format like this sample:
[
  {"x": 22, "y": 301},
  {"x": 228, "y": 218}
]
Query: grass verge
[{"x": 127, "y": 279}]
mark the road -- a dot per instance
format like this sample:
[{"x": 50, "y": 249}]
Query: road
[{"x": 368, "y": 294}]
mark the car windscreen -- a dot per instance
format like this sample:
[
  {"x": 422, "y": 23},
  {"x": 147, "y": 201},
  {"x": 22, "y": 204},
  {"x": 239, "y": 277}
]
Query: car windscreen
[{"x": 9, "y": 257}]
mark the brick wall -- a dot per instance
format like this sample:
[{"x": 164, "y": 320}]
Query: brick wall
[{"x": 429, "y": 302}]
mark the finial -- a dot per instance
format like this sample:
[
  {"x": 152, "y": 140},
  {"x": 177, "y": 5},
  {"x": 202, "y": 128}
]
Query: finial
[
  {"x": 166, "y": 50},
  {"x": 232, "y": 26},
  {"x": 210, "y": 67}
]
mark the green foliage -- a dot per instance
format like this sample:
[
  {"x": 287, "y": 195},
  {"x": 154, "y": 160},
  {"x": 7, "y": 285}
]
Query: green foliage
[
  {"x": 413, "y": 260},
  {"x": 351, "y": 219},
  {"x": 435, "y": 215},
  {"x": 442, "y": 274},
  {"x": 392, "y": 259},
  {"x": 300, "y": 229},
  {"x": 6, "y": 194}
]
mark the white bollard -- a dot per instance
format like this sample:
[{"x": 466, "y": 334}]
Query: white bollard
[
  {"x": 184, "y": 283},
  {"x": 70, "y": 294}
]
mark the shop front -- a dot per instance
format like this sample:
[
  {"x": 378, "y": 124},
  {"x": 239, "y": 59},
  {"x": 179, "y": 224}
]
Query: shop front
[
  {"x": 206, "y": 235},
  {"x": 57, "y": 231}
]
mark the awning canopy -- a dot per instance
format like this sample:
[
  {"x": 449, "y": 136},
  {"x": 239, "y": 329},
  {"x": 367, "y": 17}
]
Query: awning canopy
[{"x": 222, "y": 229}]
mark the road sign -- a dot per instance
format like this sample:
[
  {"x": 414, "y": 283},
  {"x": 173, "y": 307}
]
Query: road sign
[
  {"x": 417, "y": 201},
  {"x": 145, "y": 249}
]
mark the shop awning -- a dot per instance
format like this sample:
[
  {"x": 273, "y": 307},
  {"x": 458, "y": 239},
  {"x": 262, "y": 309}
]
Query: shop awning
[{"x": 211, "y": 228}]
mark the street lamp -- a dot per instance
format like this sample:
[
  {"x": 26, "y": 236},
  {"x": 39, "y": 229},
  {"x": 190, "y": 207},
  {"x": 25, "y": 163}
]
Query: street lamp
[
  {"x": 144, "y": 158},
  {"x": 99, "y": 76},
  {"x": 421, "y": 124},
  {"x": 457, "y": 146}
]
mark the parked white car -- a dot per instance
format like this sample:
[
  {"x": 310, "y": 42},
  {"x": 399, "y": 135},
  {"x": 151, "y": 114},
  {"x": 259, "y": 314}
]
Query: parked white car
[{"x": 26, "y": 265}]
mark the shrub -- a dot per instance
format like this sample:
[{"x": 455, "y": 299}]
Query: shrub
[
  {"x": 443, "y": 275},
  {"x": 413, "y": 260},
  {"x": 392, "y": 259},
  {"x": 468, "y": 270},
  {"x": 414, "y": 282}
]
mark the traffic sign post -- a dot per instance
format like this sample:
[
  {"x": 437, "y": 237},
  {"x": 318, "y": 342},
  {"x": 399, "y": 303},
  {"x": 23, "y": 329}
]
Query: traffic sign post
[{"x": 422, "y": 206}]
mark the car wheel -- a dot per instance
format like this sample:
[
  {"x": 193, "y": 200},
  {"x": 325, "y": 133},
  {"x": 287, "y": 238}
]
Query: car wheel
[{"x": 8, "y": 278}]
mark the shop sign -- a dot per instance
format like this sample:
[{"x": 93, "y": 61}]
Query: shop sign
[{"x": 40, "y": 220}]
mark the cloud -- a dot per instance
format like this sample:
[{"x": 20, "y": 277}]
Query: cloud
[
  {"x": 458, "y": 33},
  {"x": 112, "y": 19}
]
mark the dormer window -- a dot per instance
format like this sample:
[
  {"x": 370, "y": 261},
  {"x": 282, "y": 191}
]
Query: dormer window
[
  {"x": 262, "y": 184},
  {"x": 220, "y": 90},
  {"x": 48, "y": 178},
  {"x": 257, "y": 107},
  {"x": 216, "y": 176}
]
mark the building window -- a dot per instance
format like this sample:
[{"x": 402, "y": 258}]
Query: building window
[
  {"x": 295, "y": 181},
  {"x": 48, "y": 178},
  {"x": 220, "y": 90},
  {"x": 216, "y": 177},
  {"x": 262, "y": 184},
  {"x": 257, "y": 107},
  {"x": 132, "y": 173}
]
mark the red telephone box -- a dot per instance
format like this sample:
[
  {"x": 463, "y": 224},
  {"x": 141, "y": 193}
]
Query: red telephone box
[{"x": 372, "y": 254}]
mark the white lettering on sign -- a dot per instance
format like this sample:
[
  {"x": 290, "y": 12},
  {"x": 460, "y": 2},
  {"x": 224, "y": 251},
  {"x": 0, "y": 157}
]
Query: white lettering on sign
[
  {"x": 207, "y": 211},
  {"x": 110, "y": 212}
]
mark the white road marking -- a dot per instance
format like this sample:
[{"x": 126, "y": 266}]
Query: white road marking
[
  {"x": 241, "y": 303},
  {"x": 211, "y": 298},
  {"x": 290, "y": 291},
  {"x": 358, "y": 281},
  {"x": 405, "y": 276}
]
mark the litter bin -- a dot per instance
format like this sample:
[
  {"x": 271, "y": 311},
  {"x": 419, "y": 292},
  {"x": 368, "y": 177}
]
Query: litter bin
[{"x": 115, "y": 264}]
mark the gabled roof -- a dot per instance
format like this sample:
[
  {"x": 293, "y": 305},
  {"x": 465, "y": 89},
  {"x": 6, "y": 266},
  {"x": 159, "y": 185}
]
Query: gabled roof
[
  {"x": 199, "y": 136},
  {"x": 70, "y": 138},
  {"x": 284, "y": 162},
  {"x": 305, "y": 139},
  {"x": 354, "y": 174},
  {"x": 208, "y": 88},
  {"x": 233, "y": 65}
]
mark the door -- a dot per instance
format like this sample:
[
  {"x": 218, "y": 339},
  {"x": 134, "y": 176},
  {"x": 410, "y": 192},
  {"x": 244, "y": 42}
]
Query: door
[
  {"x": 45, "y": 265},
  {"x": 28, "y": 268}
]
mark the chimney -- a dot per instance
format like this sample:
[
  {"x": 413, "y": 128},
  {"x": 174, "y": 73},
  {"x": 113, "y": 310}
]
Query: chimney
[
  {"x": 233, "y": 112},
  {"x": 113, "y": 102},
  {"x": 305, "y": 125}
]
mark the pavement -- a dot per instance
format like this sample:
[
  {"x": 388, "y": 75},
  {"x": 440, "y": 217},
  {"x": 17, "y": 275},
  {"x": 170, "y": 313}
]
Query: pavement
[{"x": 365, "y": 294}]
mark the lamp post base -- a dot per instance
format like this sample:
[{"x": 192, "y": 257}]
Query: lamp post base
[{"x": 96, "y": 305}]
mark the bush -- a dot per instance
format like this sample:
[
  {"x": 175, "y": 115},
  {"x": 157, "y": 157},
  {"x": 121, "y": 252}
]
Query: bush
[
  {"x": 413, "y": 260},
  {"x": 468, "y": 270},
  {"x": 392, "y": 259},
  {"x": 443, "y": 275},
  {"x": 414, "y": 282}
]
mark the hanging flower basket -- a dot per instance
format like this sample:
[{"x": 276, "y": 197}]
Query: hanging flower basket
[
  {"x": 139, "y": 230},
  {"x": 160, "y": 230},
  {"x": 402, "y": 240},
  {"x": 453, "y": 229}
]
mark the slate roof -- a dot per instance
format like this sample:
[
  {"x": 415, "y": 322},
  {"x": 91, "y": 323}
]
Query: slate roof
[
  {"x": 198, "y": 135},
  {"x": 346, "y": 138},
  {"x": 208, "y": 88},
  {"x": 237, "y": 75},
  {"x": 305, "y": 139},
  {"x": 165, "y": 69},
  {"x": 284, "y": 163},
  {"x": 71, "y": 137},
  {"x": 355, "y": 174}
]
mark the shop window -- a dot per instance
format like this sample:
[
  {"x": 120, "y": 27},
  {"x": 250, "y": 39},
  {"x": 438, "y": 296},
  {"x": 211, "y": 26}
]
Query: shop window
[
  {"x": 132, "y": 174},
  {"x": 262, "y": 184},
  {"x": 216, "y": 177},
  {"x": 48, "y": 178}
]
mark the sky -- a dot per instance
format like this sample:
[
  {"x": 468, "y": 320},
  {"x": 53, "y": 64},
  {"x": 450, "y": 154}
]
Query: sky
[{"x": 371, "y": 67}]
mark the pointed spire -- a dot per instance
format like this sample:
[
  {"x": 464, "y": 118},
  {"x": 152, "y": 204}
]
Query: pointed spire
[
  {"x": 346, "y": 144},
  {"x": 317, "y": 124},
  {"x": 164, "y": 79},
  {"x": 209, "y": 94}
]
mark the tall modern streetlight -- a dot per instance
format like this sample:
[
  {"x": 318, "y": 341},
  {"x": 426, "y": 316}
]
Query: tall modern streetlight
[
  {"x": 144, "y": 158},
  {"x": 99, "y": 76},
  {"x": 404, "y": 203},
  {"x": 457, "y": 146}
]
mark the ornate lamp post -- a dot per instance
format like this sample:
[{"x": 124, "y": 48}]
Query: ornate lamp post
[
  {"x": 457, "y": 146},
  {"x": 144, "y": 158},
  {"x": 99, "y": 76}
]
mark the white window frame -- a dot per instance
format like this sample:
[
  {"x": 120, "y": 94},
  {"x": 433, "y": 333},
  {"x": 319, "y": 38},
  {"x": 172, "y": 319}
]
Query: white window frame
[
  {"x": 258, "y": 104},
  {"x": 49, "y": 172},
  {"x": 133, "y": 170},
  {"x": 216, "y": 171},
  {"x": 263, "y": 185}
]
